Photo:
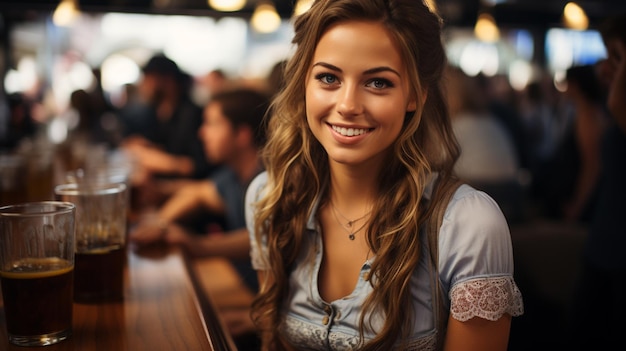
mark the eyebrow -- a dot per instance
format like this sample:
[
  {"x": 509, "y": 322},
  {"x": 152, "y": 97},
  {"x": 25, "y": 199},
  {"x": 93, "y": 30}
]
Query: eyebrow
[{"x": 369, "y": 71}]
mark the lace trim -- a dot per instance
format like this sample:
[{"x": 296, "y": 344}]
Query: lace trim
[
  {"x": 307, "y": 336},
  {"x": 426, "y": 343},
  {"x": 487, "y": 298}
]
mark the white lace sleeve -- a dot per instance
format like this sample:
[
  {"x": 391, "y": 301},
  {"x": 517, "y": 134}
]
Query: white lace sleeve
[
  {"x": 487, "y": 298},
  {"x": 476, "y": 258}
]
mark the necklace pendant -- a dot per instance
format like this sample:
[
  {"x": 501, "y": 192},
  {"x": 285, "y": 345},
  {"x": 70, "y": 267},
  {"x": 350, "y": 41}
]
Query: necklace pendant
[
  {"x": 351, "y": 236},
  {"x": 350, "y": 223}
]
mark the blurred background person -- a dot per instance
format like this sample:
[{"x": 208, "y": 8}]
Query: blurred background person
[
  {"x": 565, "y": 186},
  {"x": 599, "y": 308},
  {"x": 93, "y": 122},
  {"x": 502, "y": 102},
  {"x": 19, "y": 124},
  {"x": 276, "y": 78},
  {"x": 168, "y": 146},
  {"x": 210, "y": 84},
  {"x": 540, "y": 122},
  {"x": 232, "y": 134},
  {"x": 590, "y": 121},
  {"x": 488, "y": 159}
]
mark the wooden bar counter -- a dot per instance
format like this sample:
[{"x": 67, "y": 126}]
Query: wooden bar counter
[{"x": 163, "y": 309}]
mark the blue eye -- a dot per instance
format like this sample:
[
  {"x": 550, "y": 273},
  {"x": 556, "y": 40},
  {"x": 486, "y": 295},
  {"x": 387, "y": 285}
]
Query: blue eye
[
  {"x": 326, "y": 78},
  {"x": 379, "y": 83}
]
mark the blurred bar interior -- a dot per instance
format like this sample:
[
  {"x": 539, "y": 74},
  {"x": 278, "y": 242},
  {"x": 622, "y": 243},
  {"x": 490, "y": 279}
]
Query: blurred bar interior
[
  {"x": 52, "y": 48},
  {"x": 49, "y": 48}
]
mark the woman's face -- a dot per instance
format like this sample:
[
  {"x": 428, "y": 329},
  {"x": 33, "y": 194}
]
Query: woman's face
[{"x": 357, "y": 93}]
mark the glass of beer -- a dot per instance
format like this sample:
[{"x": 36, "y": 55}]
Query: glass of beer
[
  {"x": 37, "y": 242},
  {"x": 101, "y": 211}
]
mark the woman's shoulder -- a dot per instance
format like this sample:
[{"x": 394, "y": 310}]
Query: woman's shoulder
[
  {"x": 255, "y": 187},
  {"x": 469, "y": 205},
  {"x": 474, "y": 238}
]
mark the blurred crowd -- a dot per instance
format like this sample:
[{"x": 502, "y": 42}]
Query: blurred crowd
[{"x": 537, "y": 151}]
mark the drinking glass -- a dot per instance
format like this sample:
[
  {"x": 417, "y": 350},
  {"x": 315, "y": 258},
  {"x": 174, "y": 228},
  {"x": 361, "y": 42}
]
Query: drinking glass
[
  {"x": 37, "y": 271},
  {"x": 101, "y": 214}
]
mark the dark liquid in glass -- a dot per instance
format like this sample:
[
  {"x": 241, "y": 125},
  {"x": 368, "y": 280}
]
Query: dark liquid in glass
[
  {"x": 99, "y": 274},
  {"x": 37, "y": 296}
]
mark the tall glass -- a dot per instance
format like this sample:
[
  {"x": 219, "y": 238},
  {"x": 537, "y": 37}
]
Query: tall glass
[
  {"x": 37, "y": 243},
  {"x": 100, "y": 239}
]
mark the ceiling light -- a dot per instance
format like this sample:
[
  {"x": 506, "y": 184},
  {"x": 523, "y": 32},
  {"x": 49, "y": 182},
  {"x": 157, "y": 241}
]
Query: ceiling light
[
  {"x": 265, "y": 19},
  {"x": 66, "y": 13},
  {"x": 575, "y": 17},
  {"x": 301, "y": 7},
  {"x": 227, "y": 5},
  {"x": 486, "y": 29}
]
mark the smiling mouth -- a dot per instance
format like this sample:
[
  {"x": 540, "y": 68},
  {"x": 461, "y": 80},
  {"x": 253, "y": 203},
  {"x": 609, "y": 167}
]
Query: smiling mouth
[{"x": 350, "y": 131}]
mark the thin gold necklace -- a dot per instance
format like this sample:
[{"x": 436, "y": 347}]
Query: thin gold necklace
[{"x": 348, "y": 226}]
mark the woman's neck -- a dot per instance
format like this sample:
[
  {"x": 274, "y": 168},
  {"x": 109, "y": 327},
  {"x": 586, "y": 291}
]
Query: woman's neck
[{"x": 352, "y": 189}]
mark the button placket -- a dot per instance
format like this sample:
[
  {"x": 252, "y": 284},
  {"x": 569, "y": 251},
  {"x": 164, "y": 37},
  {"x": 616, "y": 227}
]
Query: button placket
[
  {"x": 329, "y": 312},
  {"x": 337, "y": 316}
]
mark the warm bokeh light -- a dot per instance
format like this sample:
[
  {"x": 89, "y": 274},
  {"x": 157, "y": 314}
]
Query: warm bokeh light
[
  {"x": 477, "y": 57},
  {"x": 265, "y": 19},
  {"x": 575, "y": 17},
  {"x": 66, "y": 13},
  {"x": 118, "y": 70},
  {"x": 227, "y": 5},
  {"x": 301, "y": 7},
  {"x": 22, "y": 79},
  {"x": 520, "y": 74},
  {"x": 486, "y": 28}
]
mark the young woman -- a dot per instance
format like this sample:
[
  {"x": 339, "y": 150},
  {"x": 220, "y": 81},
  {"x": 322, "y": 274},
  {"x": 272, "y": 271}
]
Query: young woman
[{"x": 359, "y": 161}]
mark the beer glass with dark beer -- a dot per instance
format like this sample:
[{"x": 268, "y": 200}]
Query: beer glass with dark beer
[
  {"x": 37, "y": 271},
  {"x": 101, "y": 215}
]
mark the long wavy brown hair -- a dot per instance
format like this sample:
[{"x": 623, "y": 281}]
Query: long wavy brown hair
[{"x": 298, "y": 169}]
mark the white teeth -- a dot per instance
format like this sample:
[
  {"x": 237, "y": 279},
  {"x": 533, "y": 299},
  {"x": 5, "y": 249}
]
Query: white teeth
[{"x": 349, "y": 131}]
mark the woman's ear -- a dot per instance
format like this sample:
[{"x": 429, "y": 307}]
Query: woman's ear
[{"x": 412, "y": 105}]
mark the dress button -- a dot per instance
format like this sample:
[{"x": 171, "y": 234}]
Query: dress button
[
  {"x": 325, "y": 320},
  {"x": 327, "y": 309}
]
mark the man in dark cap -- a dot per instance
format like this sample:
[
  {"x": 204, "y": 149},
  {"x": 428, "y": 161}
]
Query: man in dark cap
[
  {"x": 167, "y": 145},
  {"x": 161, "y": 64}
]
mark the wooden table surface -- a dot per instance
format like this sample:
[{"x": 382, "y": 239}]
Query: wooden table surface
[{"x": 163, "y": 309}]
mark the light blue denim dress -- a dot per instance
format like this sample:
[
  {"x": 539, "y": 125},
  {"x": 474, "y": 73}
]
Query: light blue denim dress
[{"x": 475, "y": 269}]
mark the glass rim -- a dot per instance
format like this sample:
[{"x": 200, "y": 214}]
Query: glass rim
[
  {"x": 80, "y": 189},
  {"x": 45, "y": 208},
  {"x": 103, "y": 176}
]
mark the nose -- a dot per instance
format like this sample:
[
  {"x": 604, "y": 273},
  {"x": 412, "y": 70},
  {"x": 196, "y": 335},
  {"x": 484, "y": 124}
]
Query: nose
[{"x": 349, "y": 103}]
